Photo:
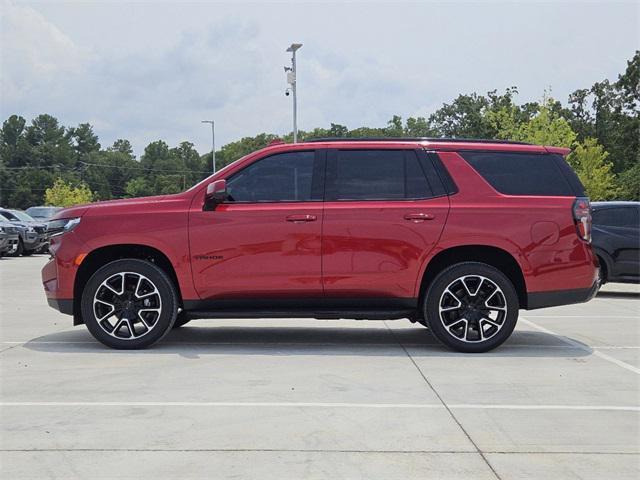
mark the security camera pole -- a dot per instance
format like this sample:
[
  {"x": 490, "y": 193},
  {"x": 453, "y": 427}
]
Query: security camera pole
[
  {"x": 291, "y": 80},
  {"x": 213, "y": 142}
]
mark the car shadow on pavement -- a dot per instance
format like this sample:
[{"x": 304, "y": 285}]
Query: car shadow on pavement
[{"x": 194, "y": 340}]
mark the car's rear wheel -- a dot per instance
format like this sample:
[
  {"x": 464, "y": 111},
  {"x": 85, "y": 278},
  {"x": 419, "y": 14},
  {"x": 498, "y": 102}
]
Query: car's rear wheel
[
  {"x": 471, "y": 307},
  {"x": 129, "y": 304}
]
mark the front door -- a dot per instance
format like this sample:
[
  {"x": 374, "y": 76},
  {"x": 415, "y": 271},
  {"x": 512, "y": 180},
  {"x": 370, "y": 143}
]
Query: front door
[
  {"x": 264, "y": 242},
  {"x": 384, "y": 212}
]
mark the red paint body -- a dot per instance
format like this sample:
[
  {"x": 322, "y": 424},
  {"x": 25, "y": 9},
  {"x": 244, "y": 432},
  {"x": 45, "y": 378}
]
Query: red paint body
[{"x": 349, "y": 249}]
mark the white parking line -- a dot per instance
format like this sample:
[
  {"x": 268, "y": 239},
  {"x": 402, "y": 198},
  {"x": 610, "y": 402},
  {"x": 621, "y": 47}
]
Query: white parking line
[
  {"x": 462, "y": 406},
  {"x": 568, "y": 341}
]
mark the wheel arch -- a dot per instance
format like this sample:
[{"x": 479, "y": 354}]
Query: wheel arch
[
  {"x": 103, "y": 255},
  {"x": 494, "y": 256}
]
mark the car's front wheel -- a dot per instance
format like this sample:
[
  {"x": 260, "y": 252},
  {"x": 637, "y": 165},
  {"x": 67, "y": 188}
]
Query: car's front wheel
[
  {"x": 129, "y": 304},
  {"x": 471, "y": 307}
]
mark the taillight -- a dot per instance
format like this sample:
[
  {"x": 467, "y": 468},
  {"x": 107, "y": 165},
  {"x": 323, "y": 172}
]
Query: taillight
[{"x": 582, "y": 217}]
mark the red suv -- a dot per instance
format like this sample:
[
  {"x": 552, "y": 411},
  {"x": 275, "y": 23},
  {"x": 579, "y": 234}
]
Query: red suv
[{"x": 455, "y": 234}]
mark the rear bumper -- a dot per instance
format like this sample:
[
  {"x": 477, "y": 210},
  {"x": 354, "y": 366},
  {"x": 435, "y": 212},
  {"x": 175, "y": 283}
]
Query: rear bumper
[{"x": 555, "y": 298}]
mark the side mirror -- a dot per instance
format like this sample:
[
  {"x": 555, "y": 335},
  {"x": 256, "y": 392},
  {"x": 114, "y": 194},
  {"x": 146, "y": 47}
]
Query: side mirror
[{"x": 216, "y": 193}]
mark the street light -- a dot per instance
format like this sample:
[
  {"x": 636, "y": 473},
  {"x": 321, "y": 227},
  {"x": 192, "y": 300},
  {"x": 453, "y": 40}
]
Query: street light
[
  {"x": 291, "y": 80},
  {"x": 213, "y": 142}
]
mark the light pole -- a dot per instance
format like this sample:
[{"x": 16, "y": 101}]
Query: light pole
[
  {"x": 291, "y": 80},
  {"x": 213, "y": 142}
]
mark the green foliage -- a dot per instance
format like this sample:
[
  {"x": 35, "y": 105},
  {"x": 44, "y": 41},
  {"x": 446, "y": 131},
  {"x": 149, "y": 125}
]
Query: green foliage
[
  {"x": 629, "y": 181},
  {"x": 544, "y": 126},
  {"x": 589, "y": 160},
  {"x": 63, "y": 194},
  {"x": 601, "y": 123}
]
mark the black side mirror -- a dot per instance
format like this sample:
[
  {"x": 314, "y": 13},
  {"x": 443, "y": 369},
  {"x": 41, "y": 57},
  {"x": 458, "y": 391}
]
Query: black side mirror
[{"x": 216, "y": 193}]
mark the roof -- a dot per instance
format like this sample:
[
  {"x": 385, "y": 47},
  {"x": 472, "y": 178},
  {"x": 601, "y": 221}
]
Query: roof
[
  {"x": 616, "y": 203},
  {"x": 413, "y": 139}
]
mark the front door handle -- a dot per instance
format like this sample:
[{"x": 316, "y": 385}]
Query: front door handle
[
  {"x": 301, "y": 218},
  {"x": 418, "y": 217}
]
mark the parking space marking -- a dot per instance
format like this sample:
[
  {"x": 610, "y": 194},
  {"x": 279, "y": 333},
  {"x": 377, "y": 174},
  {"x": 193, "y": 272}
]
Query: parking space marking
[
  {"x": 595, "y": 352},
  {"x": 583, "y": 316},
  {"x": 459, "y": 406}
]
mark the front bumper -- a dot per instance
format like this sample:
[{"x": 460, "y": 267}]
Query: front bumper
[
  {"x": 11, "y": 244},
  {"x": 556, "y": 298},
  {"x": 33, "y": 241}
]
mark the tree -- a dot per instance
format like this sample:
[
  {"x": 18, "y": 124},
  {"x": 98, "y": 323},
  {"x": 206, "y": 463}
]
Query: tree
[
  {"x": 629, "y": 182},
  {"x": 50, "y": 145},
  {"x": 122, "y": 146},
  {"x": 139, "y": 187},
  {"x": 63, "y": 194},
  {"x": 589, "y": 160},
  {"x": 84, "y": 140}
]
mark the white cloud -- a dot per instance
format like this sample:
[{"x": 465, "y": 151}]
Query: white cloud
[{"x": 148, "y": 71}]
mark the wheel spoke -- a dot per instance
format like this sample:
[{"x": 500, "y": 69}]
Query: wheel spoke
[
  {"x": 473, "y": 308},
  {"x": 131, "y": 290}
]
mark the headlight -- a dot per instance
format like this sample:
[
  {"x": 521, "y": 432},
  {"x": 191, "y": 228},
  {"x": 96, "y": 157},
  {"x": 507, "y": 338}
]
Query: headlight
[
  {"x": 31, "y": 229},
  {"x": 1, "y": 229},
  {"x": 64, "y": 225}
]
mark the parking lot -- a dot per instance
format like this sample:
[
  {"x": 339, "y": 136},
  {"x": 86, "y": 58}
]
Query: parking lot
[{"x": 287, "y": 399}]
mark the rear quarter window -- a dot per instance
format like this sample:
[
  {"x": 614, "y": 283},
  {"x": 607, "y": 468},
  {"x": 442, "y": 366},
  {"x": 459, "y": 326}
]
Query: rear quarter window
[{"x": 526, "y": 173}]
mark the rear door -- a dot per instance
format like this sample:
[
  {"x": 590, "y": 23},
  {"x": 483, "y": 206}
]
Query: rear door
[{"x": 384, "y": 212}]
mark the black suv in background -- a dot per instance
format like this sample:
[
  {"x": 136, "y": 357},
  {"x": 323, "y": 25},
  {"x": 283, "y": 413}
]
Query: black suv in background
[{"x": 616, "y": 240}]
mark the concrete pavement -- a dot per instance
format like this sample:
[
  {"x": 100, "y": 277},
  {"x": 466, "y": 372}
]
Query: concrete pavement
[{"x": 298, "y": 398}]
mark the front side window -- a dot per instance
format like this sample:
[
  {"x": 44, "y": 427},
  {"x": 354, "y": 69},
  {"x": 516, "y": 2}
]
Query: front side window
[
  {"x": 376, "y": 175},
  {"x": 284, "y": 177}
]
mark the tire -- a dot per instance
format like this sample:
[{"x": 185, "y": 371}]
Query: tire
[
  {"x": 129, "y": 304},
  {"x": 18, "y": 251},
  {"x": 471, "y": 307},
  {"x": 181, "y": 320},
  {"x": 26, "y": 253},
  {"x": 602, "y": 271}
]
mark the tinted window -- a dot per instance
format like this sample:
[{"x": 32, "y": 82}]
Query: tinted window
[
  {"x": 378, "y": 175},
  {"x": 617, "y": 217},
  {"x": 285, "y": 177},
  {"x": 521, "y": 173}
]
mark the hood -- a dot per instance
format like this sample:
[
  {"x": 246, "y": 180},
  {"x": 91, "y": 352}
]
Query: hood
[{"x": 106, "y": 205}]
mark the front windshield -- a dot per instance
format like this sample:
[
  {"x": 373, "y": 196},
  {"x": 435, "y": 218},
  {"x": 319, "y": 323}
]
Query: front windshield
[
  {"x": 22, "y": 216},
  {"x": 209, "y": 178},
  {"x": 42, "y": 212}
]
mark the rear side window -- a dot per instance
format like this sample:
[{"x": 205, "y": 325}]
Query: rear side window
[
  {"x": 627, "y": 217},
  {"x": 525, "y": 173},
  {"x": 376, "y": 175}
]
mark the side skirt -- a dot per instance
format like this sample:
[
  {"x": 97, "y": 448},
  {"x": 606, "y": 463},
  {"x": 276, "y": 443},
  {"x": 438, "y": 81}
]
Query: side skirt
[{"x": 320, "y": 308}]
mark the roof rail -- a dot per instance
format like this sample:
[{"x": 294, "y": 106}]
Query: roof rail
[{"x": 411, "y": 139}]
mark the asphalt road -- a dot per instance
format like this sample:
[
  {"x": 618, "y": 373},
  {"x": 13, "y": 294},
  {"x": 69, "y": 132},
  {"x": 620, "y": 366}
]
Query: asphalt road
[{"x": 289, "y": 399}]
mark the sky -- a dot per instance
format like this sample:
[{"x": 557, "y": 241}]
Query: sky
[{"x": 146, "y": 71}]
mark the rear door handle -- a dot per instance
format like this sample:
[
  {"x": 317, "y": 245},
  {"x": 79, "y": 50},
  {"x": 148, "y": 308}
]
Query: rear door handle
[
  {"x": 301, "y": 218},
  {"x": 418, "y": 217}
]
